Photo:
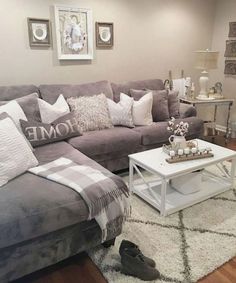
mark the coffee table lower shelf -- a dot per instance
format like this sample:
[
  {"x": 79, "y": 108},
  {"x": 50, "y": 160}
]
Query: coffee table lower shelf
[{"x": 175, "y": 201}]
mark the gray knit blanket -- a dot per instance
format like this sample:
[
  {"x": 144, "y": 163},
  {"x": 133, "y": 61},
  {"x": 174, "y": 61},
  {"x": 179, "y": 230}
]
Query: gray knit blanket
[{"x": 105, "y": 194}]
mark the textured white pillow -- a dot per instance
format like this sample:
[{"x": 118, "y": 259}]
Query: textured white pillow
[
  {"x": 51, "y": 112},
  {"x": 14, "y": 110},
  {"x": 16, "y": 156},
  {"x": 142, "y": 109},
  {"x": 121, "y": 113}
]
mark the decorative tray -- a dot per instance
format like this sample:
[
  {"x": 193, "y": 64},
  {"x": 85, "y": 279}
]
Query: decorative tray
[
  {"x": 191, "y": 152},
  {"x": 176, "y": 159}
]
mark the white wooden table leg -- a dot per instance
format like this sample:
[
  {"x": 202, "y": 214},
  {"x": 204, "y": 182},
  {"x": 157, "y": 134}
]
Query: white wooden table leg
[
  {"x": 131, "y": 175},
  {"x": 163, "y": 197},
  {"x": 232, "y": 173}
]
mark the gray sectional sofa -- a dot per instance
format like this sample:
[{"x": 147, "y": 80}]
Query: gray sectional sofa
[{"x": 42, "y": 222}]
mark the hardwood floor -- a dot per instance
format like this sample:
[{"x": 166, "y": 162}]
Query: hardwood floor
[{"x": 80, "y": 269}]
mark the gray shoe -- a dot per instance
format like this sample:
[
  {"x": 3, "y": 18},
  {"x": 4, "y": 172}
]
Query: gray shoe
[
  {"x": 133, "y": 264},
  {"x": 127, "y": 245}
]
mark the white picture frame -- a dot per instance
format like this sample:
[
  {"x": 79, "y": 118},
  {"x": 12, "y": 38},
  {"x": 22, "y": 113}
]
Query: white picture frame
[{"x": 74, "y": 32}]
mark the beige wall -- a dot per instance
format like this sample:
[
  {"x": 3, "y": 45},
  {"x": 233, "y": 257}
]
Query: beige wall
[
  {"x": 225, "y": 12},
  {"x": 151, "y": 37}
]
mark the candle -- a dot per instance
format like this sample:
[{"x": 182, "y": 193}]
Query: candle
[
  {"x": 201, "y": 150},
  {"x": 172, "y": 153},
  {"x": 186, "y": 151},
  {"x": 180, "y": 151},
  {"x": 194, "y": 150}
]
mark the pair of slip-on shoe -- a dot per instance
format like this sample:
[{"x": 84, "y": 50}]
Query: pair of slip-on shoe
[{"x": 134, "y": 263}]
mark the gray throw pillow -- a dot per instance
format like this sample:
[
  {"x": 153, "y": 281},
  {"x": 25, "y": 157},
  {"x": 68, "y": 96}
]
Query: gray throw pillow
[
  {"x": 160, "y": 110},
  {"x": 41, "y": 133},
  {"x": 91, "y": 112},
  {"x": 173, "y": 103},
  {"x": 29, "y": 105}
]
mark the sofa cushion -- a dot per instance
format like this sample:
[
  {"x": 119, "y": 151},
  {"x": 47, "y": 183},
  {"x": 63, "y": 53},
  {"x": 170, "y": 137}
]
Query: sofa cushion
[
  {"x": 157, "y": 133},
  {"x": 91, "y": 112},
  {"x": 29, "y": 104},
  {"x": 173, "y": 104},
  {"x": 42, "y": 133},
  {"x": 15, "y": 154},
  {"x": 14, "y": 110},
  {"x": 31, "y": 206},
  {"x": 108, "y": 141},
  {"x": 154, "y": 84},
  {"x": 160, "y": 111},
  {"x": 51, "y": 112},
  {"x": 12, "y": 92},
  {"x": 142, "y": 108},
  {"x": 121, "y": 113},
  {"x": 50, "y": 93}
]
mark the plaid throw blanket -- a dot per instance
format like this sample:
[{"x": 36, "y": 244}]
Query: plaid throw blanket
[{"x": 105, "y": 194}]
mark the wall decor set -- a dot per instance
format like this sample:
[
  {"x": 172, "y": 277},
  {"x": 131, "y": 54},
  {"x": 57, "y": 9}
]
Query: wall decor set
[
  {"x": 230, "y": 51},
  {"x": 74, "y": 33}
]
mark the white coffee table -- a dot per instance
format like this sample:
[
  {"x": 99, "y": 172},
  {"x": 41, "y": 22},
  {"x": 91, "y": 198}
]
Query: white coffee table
[{"x": 159, "y": 192}]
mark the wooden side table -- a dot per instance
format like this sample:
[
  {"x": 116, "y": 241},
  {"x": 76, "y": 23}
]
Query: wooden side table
[{"x": 214, "y": 103}]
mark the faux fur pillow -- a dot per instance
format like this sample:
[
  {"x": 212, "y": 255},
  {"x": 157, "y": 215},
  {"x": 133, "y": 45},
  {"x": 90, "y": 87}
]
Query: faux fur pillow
[{"x": 91, "y": 112}]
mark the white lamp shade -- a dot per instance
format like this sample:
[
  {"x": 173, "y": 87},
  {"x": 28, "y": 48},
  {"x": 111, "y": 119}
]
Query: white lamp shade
[{"x": 206, "y": 60}]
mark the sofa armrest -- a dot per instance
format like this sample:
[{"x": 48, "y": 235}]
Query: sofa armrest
[{"x": 187, "y": 110}]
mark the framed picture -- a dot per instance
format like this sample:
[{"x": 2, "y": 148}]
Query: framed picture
[
  {"x": 74, "y": 33},
  {"x": 232, "y": 29},
  {"x": 104, "y": 35},
  {"x": 39, "y": 32},
  {"x": 230, "y": 48},
  {"x": 230, "y": 67}
]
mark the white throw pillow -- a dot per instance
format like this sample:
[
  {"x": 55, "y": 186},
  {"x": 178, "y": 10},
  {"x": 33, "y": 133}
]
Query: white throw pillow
[
  {"x": 14, "y": 110},
  {"x": 121, "y": 113},
  {"x": 16, "y": 156},
  {"x": 142, "y": 109},
  {"x": 51, "y": 112}
]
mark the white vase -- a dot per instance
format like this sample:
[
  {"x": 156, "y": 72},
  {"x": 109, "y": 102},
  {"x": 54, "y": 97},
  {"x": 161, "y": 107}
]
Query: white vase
[{"x": 177, "y": 142}]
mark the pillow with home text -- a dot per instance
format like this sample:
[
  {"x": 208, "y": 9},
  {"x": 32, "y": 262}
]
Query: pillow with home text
[{"x": 42, "y": 133}]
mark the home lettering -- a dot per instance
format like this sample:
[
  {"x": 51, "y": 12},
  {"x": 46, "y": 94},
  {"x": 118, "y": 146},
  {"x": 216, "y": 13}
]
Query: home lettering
[{"x": 40, "y": 133}]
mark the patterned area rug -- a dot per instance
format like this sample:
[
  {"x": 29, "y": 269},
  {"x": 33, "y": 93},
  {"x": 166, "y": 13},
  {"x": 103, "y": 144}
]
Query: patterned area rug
[{"x": 186, "y": 245}]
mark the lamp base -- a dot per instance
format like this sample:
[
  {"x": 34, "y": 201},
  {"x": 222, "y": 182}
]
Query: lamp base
[{"x": 203, "y": 82}]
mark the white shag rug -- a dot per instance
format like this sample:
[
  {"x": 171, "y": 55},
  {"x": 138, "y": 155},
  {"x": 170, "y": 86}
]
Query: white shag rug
[{"x": 186, "y": 245}]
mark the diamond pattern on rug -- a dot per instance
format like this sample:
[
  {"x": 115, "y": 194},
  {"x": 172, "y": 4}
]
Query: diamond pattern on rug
[
  {"x": 186, "y": 245},
  {"x": 217, "y": 219}
]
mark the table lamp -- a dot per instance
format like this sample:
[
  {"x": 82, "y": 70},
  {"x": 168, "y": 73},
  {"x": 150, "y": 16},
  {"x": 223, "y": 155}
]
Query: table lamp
[{"x": 205, "y": 60}]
